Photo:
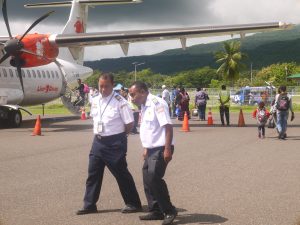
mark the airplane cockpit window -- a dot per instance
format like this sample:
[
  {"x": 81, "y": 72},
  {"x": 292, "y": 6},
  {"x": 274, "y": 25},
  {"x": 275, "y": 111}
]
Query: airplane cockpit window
[
  {"x": 33, "y": 74},
  {"x": 52, "y": 74},
  {"x": 11, "y": 73},
  {"x": 28, "y": 74},
  {"x": 48, "y": 74},
  {"x": 39, "y": 74}
]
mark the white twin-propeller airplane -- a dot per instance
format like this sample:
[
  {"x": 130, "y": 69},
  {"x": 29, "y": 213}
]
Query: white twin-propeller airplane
[{"x": 37, "y": 68}]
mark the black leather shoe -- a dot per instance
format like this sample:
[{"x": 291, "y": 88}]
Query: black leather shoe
[
  {"x": 169, "y": 217},
  {"x": 131, "y": 209},
  {"x": 86, "y": 211},
  {"x": 153, "y": 216}
]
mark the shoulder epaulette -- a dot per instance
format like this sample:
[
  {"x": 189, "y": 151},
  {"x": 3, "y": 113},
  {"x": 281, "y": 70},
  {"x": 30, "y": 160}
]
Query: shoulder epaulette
[
  {"x": 118, "y": 97},
  {"x": 155, "y": 101}
]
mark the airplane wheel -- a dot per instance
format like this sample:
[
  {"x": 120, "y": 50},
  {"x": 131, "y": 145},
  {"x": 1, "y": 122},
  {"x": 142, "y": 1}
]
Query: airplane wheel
[{"x": 15, "y": 118}]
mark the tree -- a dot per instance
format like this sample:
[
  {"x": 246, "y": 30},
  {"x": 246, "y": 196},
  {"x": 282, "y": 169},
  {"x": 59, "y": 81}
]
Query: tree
[{"x": 231, "y": 59}]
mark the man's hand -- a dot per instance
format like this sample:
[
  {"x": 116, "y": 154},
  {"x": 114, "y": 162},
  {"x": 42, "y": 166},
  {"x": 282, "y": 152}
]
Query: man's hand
[
  {"x": 293, "y": 116},
  {"x": 167, "y": 155},
  {"x": 145, "y": 153}
]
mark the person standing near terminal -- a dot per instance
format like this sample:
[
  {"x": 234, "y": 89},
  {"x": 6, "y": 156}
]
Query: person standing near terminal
[
  {"x": 166, "y": 96},
  {"x": 200, "y": 102},
  {"x": 156, "y": 133},
  {"x": 80, "y": 95},
  {"x": 174, "y": 94},
  {"x": 224, "y": 100},
  {"x": 113, "y": 120},
  {"x": 283, "y": 103}
]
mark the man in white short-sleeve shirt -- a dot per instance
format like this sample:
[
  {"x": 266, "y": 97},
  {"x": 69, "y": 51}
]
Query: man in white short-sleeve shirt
[
  {"x": 156, "y": 133},
  {"x": 113, "y": 120}
]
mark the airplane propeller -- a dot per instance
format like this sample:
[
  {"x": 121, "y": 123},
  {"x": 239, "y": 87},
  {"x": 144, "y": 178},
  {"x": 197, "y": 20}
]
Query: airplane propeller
[{"x": 15, "y": 47}]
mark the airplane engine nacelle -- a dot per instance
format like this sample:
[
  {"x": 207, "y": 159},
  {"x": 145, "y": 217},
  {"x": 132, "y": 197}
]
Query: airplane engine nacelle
[{"x": 42, "y": 51}]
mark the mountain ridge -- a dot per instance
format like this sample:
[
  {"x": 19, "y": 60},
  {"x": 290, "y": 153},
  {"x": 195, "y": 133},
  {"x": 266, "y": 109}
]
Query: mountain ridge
[{"x": 262, "y": 49}]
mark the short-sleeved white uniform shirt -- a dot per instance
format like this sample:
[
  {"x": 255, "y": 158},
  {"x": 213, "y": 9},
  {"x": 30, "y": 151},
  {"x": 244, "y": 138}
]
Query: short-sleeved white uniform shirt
[
  {"x": 155, "y": 115},
  {"x": 113, "y": 111}
]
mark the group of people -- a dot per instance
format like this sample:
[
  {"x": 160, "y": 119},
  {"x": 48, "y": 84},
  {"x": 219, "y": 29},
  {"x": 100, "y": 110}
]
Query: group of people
[
  {"x": 113, "y": 121},
  {"x": 178, "y": 101},
  {"x": 279, "y": 112}
]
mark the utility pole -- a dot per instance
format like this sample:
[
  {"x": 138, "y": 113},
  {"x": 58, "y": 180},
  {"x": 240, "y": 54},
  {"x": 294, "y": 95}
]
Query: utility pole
[
  {"x": 286, "y": 73},
  {"x": 251, "y": 74},
  {"x": 136, "y": 64}
]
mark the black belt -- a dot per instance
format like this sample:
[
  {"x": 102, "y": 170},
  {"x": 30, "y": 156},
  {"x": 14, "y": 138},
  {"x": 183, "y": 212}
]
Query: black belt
[
  {"x": 110, "y": 137},
  {"x": 159, "y": 148}
]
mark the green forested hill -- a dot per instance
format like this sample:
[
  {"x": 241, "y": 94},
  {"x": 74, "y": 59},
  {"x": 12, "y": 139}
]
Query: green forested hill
[{"x": 262, "y": 49}]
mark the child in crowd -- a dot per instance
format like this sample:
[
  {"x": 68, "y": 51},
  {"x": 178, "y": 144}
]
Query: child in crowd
[{"x": 261, "y": 114}]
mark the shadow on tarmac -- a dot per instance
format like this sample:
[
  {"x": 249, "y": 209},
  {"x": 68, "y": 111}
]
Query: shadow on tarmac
[
  {"x": 289, "y": 138},
  {"x": 199, "y": 218}
]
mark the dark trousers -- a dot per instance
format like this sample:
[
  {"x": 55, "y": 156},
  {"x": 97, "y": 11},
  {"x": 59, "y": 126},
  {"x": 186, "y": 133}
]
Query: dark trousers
[
  {"x": 173, "y": 109},
  {"x": 201, "y": 111},
  {"x": 261, "y": 129},
  {"x": 155, "y": 187},
  {"x": 110, "y": 152},
  {"x": 224, "y": 110},
  {"x": 136, "y": 116}
]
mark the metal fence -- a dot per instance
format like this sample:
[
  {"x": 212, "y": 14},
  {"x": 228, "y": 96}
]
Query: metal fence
[{"x": 213, "y": 94}]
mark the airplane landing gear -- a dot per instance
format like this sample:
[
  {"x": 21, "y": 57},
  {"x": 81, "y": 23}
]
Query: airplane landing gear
[
  {"x": 10, "y": 117},
  {"x": 15, "y": 118}
]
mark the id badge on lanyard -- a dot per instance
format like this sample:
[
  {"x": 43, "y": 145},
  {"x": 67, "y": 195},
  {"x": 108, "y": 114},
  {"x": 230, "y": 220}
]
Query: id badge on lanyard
[{"x": 100, "y": 127}]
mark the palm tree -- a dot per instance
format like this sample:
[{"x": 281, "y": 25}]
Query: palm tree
[{"x": 230, "y": 58}]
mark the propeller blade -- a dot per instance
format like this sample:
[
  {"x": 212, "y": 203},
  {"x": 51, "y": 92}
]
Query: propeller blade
[
  {"x": 4, "y": 58},
  {"x": 36, "y": 22},
  {"x": 18, "y": 65},
  {"x": 4, "y": 12}
]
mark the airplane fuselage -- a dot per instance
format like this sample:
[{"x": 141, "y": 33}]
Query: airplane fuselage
[{"x": 41, "y": 84}]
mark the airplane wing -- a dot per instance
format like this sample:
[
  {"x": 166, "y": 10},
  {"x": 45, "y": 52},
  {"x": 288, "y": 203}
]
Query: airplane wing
[{"x": 126, "y": 37}]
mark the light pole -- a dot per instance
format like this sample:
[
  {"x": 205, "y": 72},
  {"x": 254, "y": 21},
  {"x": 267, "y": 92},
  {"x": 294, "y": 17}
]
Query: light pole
[
  {"x": 136, "y": 64},
  {"x": 286, "y": 73},
  {"x": 251, "y": 74}
]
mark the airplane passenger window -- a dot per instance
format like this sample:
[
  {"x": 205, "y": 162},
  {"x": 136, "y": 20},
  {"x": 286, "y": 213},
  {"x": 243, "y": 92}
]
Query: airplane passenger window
[
  {"x": 11, "y": 73},
  {"x": 43, "y": 72},
  {"x": 28, "y": 74},
  {"x": 39, "y": 74},
  {"x": 4, "y": 73},
  {"x": 23, "y": 73},
  {"x": 56, "y": 73},
  {"x": 52, "y": 74},
  {"x": 33, "y": 74},
  {"x": 48, "y": 74}
]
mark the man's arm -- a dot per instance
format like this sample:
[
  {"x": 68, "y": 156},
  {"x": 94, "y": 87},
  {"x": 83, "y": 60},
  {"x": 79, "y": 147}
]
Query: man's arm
[
  {"x": 169, "y": 137},
  {"x": 291, "y": 109},
  {"x": 128, "y": 127}
]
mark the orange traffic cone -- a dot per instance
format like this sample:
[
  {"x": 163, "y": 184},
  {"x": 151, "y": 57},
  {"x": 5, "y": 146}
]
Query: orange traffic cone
[
  {"x": 241, "y": 122},
  {"x": 209, "y": 118},
  {"x": 37, "y": 128},
  {"x": 83, "y": 116},
  {"x": 185, "y": 124}
]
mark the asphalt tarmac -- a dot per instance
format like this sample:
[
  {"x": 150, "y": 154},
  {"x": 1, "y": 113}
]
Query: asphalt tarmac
[{"x": 218, "y": 175}]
